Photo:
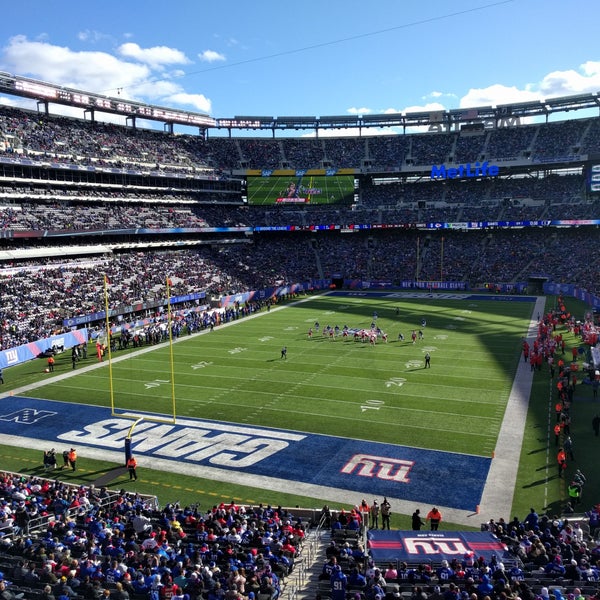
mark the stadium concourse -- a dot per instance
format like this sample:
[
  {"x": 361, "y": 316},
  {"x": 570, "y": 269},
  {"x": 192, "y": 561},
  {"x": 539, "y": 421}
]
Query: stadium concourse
[{"x": 497, "y": 496}]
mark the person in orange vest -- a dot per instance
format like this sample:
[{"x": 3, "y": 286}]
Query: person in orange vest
[
  {"x": 434, "y": 516},
  {"x": 73, "y": 459},
  {"x": 557, "y": 432},
  {"x": 561, "y": 459},
  {"x": 51, "y": 364},
  {"x": 131, "y": 467},
  {"x": 558, "y": 408}
]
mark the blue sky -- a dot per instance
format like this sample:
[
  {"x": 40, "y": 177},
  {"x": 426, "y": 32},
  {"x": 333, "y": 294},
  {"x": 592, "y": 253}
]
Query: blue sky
[{"x": 312, "y": 58}]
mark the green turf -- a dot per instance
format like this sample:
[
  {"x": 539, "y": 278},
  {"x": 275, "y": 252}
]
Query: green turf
[{"x": 339, "y": 387}]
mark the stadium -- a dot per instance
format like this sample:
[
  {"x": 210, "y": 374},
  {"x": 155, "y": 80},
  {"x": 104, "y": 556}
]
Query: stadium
[{"x": 315, "y": 323}]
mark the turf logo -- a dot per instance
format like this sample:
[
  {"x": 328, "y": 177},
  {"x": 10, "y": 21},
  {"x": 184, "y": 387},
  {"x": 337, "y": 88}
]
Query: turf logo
[
  {"x": 381, "y": 467},
  {"x": 27, "y": 416},
  {"x": 215, "y": 444}
]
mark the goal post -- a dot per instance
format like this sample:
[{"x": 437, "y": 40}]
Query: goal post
[{"x": 137, "y": 416}]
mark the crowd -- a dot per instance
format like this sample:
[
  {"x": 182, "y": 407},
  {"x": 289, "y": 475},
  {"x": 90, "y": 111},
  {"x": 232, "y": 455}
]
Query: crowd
[
  {"x": 32, "y": 209},
  {"x": 545, "y": 557},
  {"x": 81, "y": 142},
  {"x": 62, "y": 541},
  {"x": 36, "y": 295},
  {"x": 35, "y": 298},
  {"x": 67, "y": 541},
  {"x": 94, "y": 143}
]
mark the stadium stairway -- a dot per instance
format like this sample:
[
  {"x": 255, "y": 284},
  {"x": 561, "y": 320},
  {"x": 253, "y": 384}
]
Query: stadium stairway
[{"x": 303, "y": 581}]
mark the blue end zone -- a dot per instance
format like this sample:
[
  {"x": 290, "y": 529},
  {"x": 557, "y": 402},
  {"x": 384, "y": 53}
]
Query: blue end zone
[{"x": 371, "y": 468}]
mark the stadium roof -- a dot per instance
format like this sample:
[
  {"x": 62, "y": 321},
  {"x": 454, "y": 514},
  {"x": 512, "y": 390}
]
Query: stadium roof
[{"x": 47, "y": 93}]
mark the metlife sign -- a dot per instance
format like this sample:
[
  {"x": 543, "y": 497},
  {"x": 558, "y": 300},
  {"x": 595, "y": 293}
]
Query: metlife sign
[{"x": 466, "y": 171}]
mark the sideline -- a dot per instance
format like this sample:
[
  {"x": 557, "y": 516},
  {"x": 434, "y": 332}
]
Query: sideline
[{"x": 499, "y": 490}]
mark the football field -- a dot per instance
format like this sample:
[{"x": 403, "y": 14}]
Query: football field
[
  {"x": 337, "y": 412},
  {"x": 336, "y": 385}
]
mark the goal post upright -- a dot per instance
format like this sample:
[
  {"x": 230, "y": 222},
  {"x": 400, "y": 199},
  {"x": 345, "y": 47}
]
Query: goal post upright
[
  {"x": 107, "y": 325},
  {"x": 170, "y": 327},
  {"x": 137, "y": 417}
]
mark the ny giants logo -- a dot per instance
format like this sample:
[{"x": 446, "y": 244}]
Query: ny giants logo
[
  {"x": 11, "y": 356},
  {"x": 27, "y": 416},
  {"x": 390, "y": 469},
  {"x": 436, "y": 546}
]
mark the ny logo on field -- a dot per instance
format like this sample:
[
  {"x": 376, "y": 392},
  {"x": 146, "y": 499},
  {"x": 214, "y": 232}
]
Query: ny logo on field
[
  {"x": 27, "y": 416},
  {"x": 382, "y": 467}
]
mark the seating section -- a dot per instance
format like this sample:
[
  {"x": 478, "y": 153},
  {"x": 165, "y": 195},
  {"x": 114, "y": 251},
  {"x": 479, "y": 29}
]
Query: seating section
[
  {"x": 545, "y": 558},
  {"x": 80, "y": 540}
]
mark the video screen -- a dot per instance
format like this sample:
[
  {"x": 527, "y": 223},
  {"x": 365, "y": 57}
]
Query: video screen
[
  {"x": 301, "y": 189},
  {"x": 594, "y": 179}
]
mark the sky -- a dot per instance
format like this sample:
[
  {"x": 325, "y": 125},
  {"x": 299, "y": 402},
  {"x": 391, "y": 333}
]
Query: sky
[{"x": 310, "y": 58}]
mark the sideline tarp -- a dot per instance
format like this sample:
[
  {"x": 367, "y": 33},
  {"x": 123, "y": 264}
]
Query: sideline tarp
[{"x": 414, "y": 547}]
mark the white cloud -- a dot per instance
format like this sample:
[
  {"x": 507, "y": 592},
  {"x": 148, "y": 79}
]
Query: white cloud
[
  {"x": 558, "y": 83},
  {"x": 350, "y": 132},
  {"x": 429, "y": 106},
  {"x": 564, "y": 83},
  {"x": 436, "y": 95},
  {"x": 155, "y": 88},
  {"x": 497, "y": 94},
  {"x": 14, "y": 102},
  {"x": 156, "y": 74},
  {"x": 359, "y": 111},
  {"x": 104, "y": 73},
  {"x": 90, "y": 71},
  {"x": 211, "y": 56},
  {"x": 92, "y": 36},
  {"x": 197, "y": 101},
  {"x": 157, "y": 56}
]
